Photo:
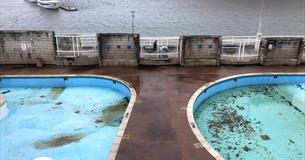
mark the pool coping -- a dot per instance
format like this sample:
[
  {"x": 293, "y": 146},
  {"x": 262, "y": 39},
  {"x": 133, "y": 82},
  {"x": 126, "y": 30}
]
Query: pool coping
[
  {"x": 119, "y": 136},
  {"x": 2, "y": 100},
  {"x": 190, "y": 105}
]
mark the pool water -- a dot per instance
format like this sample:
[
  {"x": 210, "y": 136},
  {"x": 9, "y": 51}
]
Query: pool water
[
  {"x": 255, "y": 122},
  {"x": 73, "y": 123}
]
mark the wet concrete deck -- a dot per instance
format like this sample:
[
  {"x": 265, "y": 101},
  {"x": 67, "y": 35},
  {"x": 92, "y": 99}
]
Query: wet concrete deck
[{"x": 158, "y": 127}]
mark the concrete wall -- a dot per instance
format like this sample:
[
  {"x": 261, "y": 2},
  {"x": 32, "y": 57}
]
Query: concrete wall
[
  {"x": 281, "y": 51},
  {"x": 82, "y": 60},
  {"x": 24, "y": 47},
  {"x": 119, "y": 49},
  {"x": 200, "y": 50}
]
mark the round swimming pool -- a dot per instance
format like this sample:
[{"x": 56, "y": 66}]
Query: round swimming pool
[
  {"x": 64, "y": 117},
  {"x": 251, "y": 117}
]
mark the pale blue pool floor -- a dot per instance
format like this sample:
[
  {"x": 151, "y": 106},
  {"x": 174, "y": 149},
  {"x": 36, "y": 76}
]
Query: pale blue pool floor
[
  {"x": 263, "y": 122},
  {"x": 76, "y": 123}
]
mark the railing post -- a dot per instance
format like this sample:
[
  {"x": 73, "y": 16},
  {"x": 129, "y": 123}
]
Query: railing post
[
  {"x": 57, "y": 45},
  {"x": 73, "y": 45},
  {"x": 77, "y": 47},
  {"x": 244, "y": 46},
  {"x": 239, "y": 50}
]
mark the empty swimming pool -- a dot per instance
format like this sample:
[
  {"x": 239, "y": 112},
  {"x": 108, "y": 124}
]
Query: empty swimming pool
[
  {"x": 253, "y": 117},
  {"x": 75, "y": 118}
]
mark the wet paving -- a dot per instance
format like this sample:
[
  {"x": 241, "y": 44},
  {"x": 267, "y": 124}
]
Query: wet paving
[{"x": 158, "y": 127}]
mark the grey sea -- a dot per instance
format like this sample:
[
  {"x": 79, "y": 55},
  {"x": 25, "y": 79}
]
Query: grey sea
[{"x": 159, "y": 17}]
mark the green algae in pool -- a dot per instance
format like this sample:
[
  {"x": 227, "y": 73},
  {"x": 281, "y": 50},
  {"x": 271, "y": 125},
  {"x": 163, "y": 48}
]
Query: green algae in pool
[
  {"x": 255, "y": 122},
  {"x": 113, "y": 114},
  {"x": 60, "y": 122},
  {"x": 58, "y": 141}
]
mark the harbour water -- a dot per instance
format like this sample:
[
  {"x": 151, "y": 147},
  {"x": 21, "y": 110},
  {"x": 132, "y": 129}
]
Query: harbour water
[
  {"x": 255, "y": 122},
  {"x": 159, "y": 17},
  {"x": 72, "y": 123}
]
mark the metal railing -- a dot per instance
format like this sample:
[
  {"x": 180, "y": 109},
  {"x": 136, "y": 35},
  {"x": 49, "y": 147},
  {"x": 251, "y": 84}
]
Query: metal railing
[
  {"x": 73, "y": 45},
  {"x": 240, "y": 48},
  {"x": 166, "y": 48}
]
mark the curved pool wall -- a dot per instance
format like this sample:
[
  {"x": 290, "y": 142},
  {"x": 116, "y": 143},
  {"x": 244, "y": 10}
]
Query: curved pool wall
[
  {"x": 3, "y": 108},
  {"x": 38, "y": 81},
  {"x": 215, "y": 87}
]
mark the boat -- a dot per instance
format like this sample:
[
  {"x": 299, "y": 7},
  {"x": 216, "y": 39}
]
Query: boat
[
  {"x": 48, "y": 4},
  {"x": 33, "y": 1}
]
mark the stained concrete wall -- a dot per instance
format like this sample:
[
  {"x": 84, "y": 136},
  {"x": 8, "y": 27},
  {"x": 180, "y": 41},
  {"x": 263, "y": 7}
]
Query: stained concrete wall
[
  {"x": 281, "y": 51},
  {"x": 119, "y": 49},
  {"x": 200, "y": 50},
  {"x": 81, "y": 60},
  {"x": 24, "y": 47}
]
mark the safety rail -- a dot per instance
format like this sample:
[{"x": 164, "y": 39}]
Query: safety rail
[
  {"x": 240, "y": 49},
  {"x": 70, "y": 45},
  {"x": 238, "y": 39},
  {"x": 159, "y": 48}
]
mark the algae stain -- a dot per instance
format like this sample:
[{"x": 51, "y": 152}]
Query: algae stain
[
  {"x": 113, "y": 115},
  {"x": 58, "y": 141},
  {"x": 4, "y": 92},
  {"x": 265, "y": 137},
  {"x": 56, "y": 92}
]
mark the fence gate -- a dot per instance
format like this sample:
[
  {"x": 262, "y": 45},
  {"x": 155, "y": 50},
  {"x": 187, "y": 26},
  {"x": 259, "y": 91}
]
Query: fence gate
[
  {"x": 75, "y": 45},
  {"x": 240, "y": 50},
  {"x": 159, "y": 50}
]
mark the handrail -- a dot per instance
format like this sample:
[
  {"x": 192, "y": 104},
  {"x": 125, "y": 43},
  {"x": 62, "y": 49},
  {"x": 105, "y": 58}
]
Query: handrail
[{"x": 153, "y": 38}]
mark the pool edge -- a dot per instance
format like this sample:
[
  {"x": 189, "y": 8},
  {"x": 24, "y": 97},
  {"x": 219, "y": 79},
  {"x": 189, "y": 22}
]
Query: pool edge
[
  {"x": 190, "y": 114},
  {"x": 119, "y": 135}
]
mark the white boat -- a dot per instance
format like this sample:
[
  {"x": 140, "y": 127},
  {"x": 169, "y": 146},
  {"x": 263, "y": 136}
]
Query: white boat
[{"x": 48, "y": 4}]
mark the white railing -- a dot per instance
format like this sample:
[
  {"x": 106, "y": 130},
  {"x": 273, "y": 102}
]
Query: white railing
[
  {"x": 166, "y": 48},
  {"x": 73, "y": 45},
  {"x": 238, "y": 39},
  {"x": 285, "y": 36},
  {"x": 240, "y": 48}
]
